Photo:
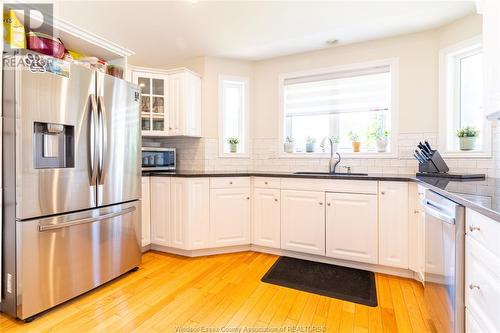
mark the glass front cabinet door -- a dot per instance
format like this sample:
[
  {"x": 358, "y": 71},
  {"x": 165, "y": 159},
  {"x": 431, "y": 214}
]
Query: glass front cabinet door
[{"x": 154, "y": 110}]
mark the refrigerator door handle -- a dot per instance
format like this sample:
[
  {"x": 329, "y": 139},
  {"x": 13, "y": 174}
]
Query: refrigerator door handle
[
  {"x": 103, "y": 141},
  {"x": 93, "y": 137},
  {"x": 47, "y": 227}
]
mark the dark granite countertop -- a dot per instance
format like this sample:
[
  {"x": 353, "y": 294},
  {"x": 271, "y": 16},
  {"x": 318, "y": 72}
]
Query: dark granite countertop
[{"x": 479, "y": 195}]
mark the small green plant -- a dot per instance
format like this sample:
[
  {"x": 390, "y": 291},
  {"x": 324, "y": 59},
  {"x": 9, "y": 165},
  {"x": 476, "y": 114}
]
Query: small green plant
[
  {"x": 468, "y": 132},
  {"x": 233, "y": 140},
  {"x": 379, "y": 134},
  {"x": 289, "y": 139},
  {"x": 310, "y": 140},
  {"x": 354, "y": 137}
]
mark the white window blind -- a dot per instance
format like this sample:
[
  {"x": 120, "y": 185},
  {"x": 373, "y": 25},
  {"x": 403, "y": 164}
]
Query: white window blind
[{"x": 366, "y": 90}]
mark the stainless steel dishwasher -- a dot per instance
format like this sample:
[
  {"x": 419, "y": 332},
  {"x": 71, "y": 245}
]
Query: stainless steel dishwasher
[{"x": 444, "y": 262}]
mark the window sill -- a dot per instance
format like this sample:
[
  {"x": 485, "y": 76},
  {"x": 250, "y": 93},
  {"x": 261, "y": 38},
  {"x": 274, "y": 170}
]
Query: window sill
[
  {"x": 467, "y": 154},
  {"x": 234, "y": 155},
  {"x": 346, "y": 155}
]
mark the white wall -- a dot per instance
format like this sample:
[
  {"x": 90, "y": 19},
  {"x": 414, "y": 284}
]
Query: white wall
[{"x": 418, "y": 109}]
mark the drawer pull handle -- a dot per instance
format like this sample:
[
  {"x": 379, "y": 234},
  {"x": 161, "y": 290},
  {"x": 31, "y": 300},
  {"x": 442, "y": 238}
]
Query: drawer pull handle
[
  {"x": 474, "y": 286},
  {"x": 473, "y": 228},
  {"x": 266, "y": 183},
  {"x": 416, "y": 211}
]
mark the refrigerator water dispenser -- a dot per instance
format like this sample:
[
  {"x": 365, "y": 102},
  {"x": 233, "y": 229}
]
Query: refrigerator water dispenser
[{"x": 54, "y": 146}]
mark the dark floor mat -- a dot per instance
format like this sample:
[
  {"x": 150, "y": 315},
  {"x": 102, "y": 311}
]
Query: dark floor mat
[{"x": 348, "y": 284}]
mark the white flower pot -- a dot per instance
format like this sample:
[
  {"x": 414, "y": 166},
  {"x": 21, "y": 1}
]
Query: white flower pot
[
  {"x": 289, "y": 147},
  {"x": 233, "y": 147},
  {"x": 381, "y": 145},
  {"x": 467, "y": 143}
]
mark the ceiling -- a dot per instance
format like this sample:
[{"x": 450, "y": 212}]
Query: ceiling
[{"x": 165, "y": 32}]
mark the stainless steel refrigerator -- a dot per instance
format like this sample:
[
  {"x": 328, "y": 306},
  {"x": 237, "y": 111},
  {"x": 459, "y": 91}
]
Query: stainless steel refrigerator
[{"x": 71, "y": 175}]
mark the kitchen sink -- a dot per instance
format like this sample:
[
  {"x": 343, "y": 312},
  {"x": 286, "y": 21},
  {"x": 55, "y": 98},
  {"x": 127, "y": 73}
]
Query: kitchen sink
[{"x": 331, "y": 174}]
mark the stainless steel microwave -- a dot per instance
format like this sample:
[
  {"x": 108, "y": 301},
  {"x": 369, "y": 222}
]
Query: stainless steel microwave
[{"x": 156, "y": 158}]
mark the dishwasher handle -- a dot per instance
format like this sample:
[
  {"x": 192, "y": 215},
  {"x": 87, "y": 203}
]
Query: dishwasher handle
[{"x": 436, "y": 211}]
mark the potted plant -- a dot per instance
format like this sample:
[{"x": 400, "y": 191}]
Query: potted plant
[
  {"x": 233, "y": 144},
  {"x": 467, "y": 136},
  {"x": 289, "y": 145},
  {"x": 356, "y": 144},
  {"x": 380, "y": 136},
  {"x": 310, "y": 142}
]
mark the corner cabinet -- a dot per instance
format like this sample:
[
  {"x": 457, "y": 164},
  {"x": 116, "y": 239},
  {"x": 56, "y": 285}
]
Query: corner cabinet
[{"x": 170, "y": 102}]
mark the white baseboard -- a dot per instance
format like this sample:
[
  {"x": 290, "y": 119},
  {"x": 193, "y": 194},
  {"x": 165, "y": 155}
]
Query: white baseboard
[{"x": 279, "y": 252}]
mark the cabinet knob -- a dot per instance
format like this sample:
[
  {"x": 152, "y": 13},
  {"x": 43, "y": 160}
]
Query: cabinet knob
[
  {"x": 170, "y": 128},
  {"x": 473, "y": 228},
  {"x": 321, "y": 204},
  {"x": 265, "y": 183},
  {"x": 230, "y": 183},
  {"x": 275, "y": 199},
  {"x": 416, "y": 211},
  {"x": 328, "y": 204},
  {"x": 248, "y": 198},
  {"x": 383, "y": 192},
  {"x": 474, "y": 286}
]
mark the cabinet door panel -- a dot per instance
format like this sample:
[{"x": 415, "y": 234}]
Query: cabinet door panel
[
  {"x": 146, "y": 213},
  {"x": 393, "y": 224},
  {"x": 266, "y": 217},
  {"x": 178, "y": 211},
  {"x": 303, "y": 221},
  {"x": 176, "y": 91},
  {"x": 160, "y": 211},
  {"x": 198, "y": 211},
  {"x": 230, "y": 216},
  {"x": 351, "y": 227}
]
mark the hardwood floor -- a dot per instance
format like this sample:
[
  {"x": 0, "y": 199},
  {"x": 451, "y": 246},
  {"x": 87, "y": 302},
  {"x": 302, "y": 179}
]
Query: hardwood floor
[{"x": 170, "y": 292}]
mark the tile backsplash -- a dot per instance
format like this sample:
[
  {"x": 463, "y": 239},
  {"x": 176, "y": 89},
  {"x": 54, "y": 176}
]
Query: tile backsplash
[{"x": 202, "y": 154}]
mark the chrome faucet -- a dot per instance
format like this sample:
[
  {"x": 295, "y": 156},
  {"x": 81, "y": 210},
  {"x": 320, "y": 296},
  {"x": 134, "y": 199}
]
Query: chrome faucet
[{"x": 332, "y": 165}]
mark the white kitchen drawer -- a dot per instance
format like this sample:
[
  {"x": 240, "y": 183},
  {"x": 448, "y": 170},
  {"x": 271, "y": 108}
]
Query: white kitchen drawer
[
  {"x": 483, "y": 229},
  {"x": 229, "y": 182},
  {"x": 267, "y": 182},
  {"x": 482, "y": 287},
  {"x": 330, "y": 185}
]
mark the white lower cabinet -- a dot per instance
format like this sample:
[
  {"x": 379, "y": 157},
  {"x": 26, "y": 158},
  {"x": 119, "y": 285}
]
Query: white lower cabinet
[
  {"x": 471, "y": 324},
  {"x": 393, "y": 224},
  {"x": 416, "y": 230},
  {"x": 145, "y": 213},
  {"x": 482, "y": 286},
  {"x": 229, "y": 216},
  {"x": 266, "y": 217},
  {"x": 303, "y": 221},
  {"x": 160, "y": 211},
  {"x": 190, "y": 213},
  {"x": 351, "y": 227}
]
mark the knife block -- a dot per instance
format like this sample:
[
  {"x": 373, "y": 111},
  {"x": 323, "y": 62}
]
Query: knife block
[{"x": 436, "y": 164}]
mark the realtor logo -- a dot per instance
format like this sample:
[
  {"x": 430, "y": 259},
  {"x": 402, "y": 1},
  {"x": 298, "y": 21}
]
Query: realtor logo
[{"x": 35, "y": 63}]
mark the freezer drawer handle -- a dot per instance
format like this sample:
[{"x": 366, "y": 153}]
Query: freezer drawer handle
[{"x": 86, "y": 220}]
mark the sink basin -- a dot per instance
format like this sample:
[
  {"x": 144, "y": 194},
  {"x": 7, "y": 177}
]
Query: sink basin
[{"x": 331, "y": 174}]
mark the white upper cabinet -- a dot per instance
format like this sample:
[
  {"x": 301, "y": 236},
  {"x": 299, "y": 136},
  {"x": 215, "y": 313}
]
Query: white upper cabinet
[
  {"x": 266, "y": 217},
  {"x": 229, "y": 216},
  {"x": 303, "y": 221},
  {"x": 490, "y": 9},
  {"x": 170, "y": 102},
  {"x": 145, "y": 213},
  {"x": 351, "y": 227},
  {"x": 190, "y": 213},
  {"x": 393, "y": 224},
  {"x": 160, "y": 211}
]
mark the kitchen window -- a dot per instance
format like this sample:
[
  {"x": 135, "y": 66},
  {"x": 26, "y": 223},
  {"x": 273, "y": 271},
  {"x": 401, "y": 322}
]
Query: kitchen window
[
  {"x": 461, "y": 100},
  {"x": 348, "y": 103},
  {"x": 233, "y": 116}
]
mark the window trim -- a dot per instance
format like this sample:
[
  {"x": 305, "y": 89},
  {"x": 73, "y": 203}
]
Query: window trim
[
  {"x": 393, "y": 64},
  {"x": 445, "y": 96},
  {"x": 246, "y": 112}
]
